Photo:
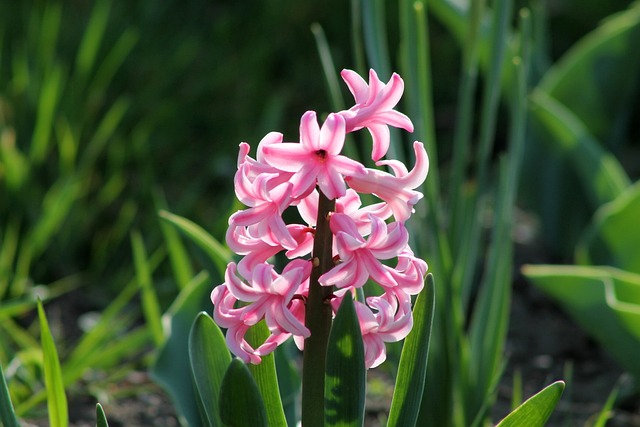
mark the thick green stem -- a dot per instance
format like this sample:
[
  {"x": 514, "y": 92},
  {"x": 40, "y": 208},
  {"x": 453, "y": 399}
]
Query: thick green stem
[{"x": 318, "y": 320}]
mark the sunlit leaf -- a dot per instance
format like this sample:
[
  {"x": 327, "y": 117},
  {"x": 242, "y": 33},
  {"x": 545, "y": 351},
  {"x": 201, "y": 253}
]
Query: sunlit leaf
[
  {"x": 345, "y": 380},
  {"x": 407, "y": 394},
  {"x": 56, "y": 397},
  {"x": 535, "y": 411},
  {"x": 613, "y": 236},
  {"x": 266, "y": 377},
  {"x": 582, "y": 293}
]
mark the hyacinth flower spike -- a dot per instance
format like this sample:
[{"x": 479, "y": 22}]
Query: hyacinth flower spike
[{"x": 357, "y": 243}]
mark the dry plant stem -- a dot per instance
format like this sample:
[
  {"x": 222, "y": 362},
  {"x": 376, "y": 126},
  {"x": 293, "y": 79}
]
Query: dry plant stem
[{"x": 318, "y": 320}]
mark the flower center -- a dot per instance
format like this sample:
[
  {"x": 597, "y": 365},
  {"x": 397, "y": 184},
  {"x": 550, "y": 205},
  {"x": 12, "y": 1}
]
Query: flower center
[{"x": 321, "y": 153}]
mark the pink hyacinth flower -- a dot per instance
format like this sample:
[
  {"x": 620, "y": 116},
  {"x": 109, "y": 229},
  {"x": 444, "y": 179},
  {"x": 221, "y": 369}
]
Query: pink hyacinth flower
[
  {"x": 374, "y": 108},
  {"x": 360, "y": 258},
  {"x": 397, "y": 190},
  {"x": 316, "y": 159},
  {"x": 385, "y": 318}
]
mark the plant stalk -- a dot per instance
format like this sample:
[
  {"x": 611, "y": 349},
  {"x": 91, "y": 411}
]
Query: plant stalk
[{"x": 318, "y": 320}]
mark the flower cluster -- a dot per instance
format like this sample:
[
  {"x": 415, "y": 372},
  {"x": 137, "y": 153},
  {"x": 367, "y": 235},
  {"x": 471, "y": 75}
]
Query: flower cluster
[{"x": 291, "y": 174}]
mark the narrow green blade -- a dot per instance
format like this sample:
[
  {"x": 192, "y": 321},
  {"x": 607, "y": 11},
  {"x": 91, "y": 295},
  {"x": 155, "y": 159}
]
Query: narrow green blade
[
  {"x": 240, "y": 401},
  {"x": 345, "y": 381},
  {"x": 209, "y": 359},
  {"x": 7, "y": 414},
  {"x": 412, "y": 370},
  {"x": 101, "y": 417},
  {"x": 150, "y": 304},
  {"x": 537, "y": 409},
  {"x": 56, "y": 398},
  {"x": 219, "y": 254},
  {"x": 266, "y": 377}
]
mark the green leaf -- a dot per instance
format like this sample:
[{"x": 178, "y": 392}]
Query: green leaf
[
  {"x": 407, "y": 394},
  {"x": 596, "y": 77},
  {"x": 582, "y": 293},
  {"x": 150, "y": 304},
  {"x": 56, "y": 398},
  {"x": 240, "y": 401},
  {"x": 7, "y": 414},
  {"x": 623, "y": 297},
  {"x": 345, "y": 380},
  {"x": 219, "y": 254},
  {"x": 537, "y": 409},
  {"x": 613, "y": 236},
  {"x": 172, "y": 368},
  {"x": 601, "y": 175},
  {"x": 101, "y": 417},
  {"x": 180, "y": 263},
  {"x": 266, "y": 377},
  {"x": 209, "y": 359}
]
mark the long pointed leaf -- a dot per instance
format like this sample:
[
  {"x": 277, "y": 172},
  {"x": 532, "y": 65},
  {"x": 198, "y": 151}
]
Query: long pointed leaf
[
  {"x": 240, "y": 400},
  {"x": 537, "y": 409},
  {"x": 345, "y": 381},
  {"x": 7, "y": 414},
  {"x": 412, "y": 370},
  {"x": 172, "y": 367},
  {"x": 101, "y": 417},
  {"x": 209, "y": 359},
  {"x": 56, "y": 398},
  {"x": 266, "y": 377},
  {"x": 219, "y": 254},
  {"x": 150, "y": 304}
]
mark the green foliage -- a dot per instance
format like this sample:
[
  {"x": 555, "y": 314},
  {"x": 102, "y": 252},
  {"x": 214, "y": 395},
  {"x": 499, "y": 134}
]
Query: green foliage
[
  {"x": 537, "y": 409},
  {"x": 7, "y": 413},
  {"x": 345, "y": 378},
  {"x": 172, "y": 367},
  {"x": 239, "y": 392},
  {"x": 56, "y": 396},
  {"x": 209, "y": 360},
  {"x": 101, "y": 417},
  {"x": 613, "y": 235},
  {"x": 590, "y": 295},
  {"x": 407, "y": 394},
  {"x": 266, "y": 378}
]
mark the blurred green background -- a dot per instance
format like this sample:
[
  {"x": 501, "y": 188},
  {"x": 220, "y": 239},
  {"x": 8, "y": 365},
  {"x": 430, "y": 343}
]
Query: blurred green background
[{"x": 112, "y": 110}]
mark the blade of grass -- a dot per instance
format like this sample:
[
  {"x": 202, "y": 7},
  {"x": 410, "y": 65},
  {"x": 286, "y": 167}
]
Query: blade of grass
[
  {"x": 337, "y": 103},
  {"x": 150, "y": 304},
  {"x": 7, "y": 414},
  {"x": 464, "y": 125},
  {"x": 101, "y": 418},
  {"x": 56, "y": 397},
  {"x": 92, "y": 38},
  {"x": 8, "y": 250},
  {"x": 49, "y": 98},
  {"x": 178, "y": 256},
  {"x": 218, "y": 253}
]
